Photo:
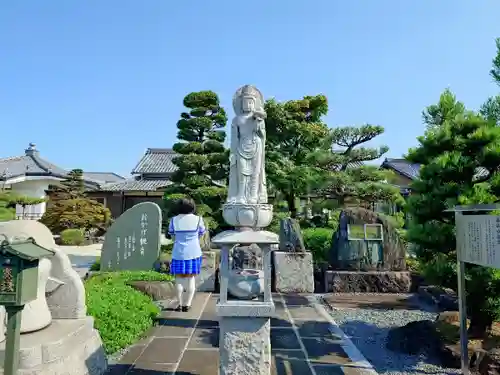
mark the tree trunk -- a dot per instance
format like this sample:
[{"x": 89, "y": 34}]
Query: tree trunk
[{"x": 290, "y": 200}]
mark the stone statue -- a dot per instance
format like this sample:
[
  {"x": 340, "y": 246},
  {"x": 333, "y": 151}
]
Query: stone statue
[{"x": 248, "y": 139}]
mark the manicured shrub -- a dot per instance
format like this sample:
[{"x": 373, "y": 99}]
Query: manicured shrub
[
  {"x": 96, "y": 266},
  {"x": 318, "y": 241},
  {"x": 72, "y": 237},
  {"x": 122, "y": 314}
]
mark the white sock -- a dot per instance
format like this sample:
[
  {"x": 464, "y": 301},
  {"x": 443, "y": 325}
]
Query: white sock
[
  {"x": 179, "y": 288},
  {"x": 191, "y": 290}
]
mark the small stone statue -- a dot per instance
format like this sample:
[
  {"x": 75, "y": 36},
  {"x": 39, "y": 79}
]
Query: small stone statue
[
  {"x": 247, "y": 257},
  {"x": 248, "y": 138},
  {"x": 290, "y": 236}
]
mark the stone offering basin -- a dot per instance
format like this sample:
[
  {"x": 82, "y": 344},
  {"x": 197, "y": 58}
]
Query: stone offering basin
[{"x": 246, "y": 284}]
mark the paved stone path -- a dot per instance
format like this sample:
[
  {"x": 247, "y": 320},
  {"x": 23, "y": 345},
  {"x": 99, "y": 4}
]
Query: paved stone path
[{"x": 304, "y": 341}]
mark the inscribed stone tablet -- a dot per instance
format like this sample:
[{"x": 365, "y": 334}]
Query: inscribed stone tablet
[{"x": 133, "y": 241}]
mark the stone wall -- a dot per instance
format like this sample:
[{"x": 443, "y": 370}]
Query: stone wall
[{"x": 367, "y": 282}]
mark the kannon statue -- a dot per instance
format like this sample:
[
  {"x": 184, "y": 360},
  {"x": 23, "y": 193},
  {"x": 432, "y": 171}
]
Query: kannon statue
[{"x": 248, "y": 139}]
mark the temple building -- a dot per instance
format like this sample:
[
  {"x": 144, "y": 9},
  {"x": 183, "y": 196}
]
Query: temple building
[
  {"x": 32, "y": 176},
  {"x": 149, "y": 178}
]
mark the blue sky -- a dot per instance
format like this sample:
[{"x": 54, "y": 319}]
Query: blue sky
[{"x": 94, "y": 83}]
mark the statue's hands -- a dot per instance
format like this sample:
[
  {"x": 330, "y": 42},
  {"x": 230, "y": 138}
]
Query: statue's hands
[{"x": 260, "y": 115}]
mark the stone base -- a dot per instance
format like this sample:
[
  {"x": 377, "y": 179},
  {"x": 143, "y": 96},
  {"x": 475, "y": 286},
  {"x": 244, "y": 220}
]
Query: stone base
[
  {"x": 367, "y": 282},
  {"x": 245, "y": 346},
  {"x": 205, "y": 281},
  {"x": 245, "y": 309},
  {"x": 66, "y": 347},
  {"x": 293, "y": 272}
]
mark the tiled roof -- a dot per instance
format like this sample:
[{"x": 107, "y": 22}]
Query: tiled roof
[
  {"x": 156, "y": 161},
  {"x": 135, "y": 185},
  {"x": 31, "y": 164},
  {"x": 106, "y": 177},
  {"x": 402, "y": 166},
  {"x": 412, "y": 170}
]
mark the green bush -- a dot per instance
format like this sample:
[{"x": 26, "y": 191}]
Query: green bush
[
  {"x": 318, "y": 241},
  {"x": 73, "y": 237},
  {"x": 275, "y": 223},
  {"x": 96, "y": 266},
  {"x": 122, "y": 314},
  {"x": 440, "y": 271}
]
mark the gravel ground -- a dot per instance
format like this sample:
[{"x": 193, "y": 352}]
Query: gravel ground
[{"x": 368, "y": 329}]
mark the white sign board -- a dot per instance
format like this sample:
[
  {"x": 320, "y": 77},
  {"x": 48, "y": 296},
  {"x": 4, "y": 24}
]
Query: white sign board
[{"x": 478, "y": 239}]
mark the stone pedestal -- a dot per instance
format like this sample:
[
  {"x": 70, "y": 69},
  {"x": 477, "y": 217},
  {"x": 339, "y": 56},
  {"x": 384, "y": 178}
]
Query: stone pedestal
[
  {"x": 293, "y": 272},
  {"x": 244, "y": 343},
  {"x": 245, "y": 346},
  {"x": 67, "y": 346}
]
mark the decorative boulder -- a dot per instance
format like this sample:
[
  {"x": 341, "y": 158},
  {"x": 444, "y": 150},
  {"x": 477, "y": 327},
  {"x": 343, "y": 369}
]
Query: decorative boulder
[{"x": 290, "y": 236}]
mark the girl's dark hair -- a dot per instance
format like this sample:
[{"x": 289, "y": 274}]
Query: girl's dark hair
[{"x": 186, "y": 206}]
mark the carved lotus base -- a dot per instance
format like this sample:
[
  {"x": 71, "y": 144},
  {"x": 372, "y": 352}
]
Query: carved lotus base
[{"x": 248, "y": 215}]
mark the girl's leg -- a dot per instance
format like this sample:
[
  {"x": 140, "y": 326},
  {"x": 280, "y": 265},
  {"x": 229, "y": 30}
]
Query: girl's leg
[
  {"x": 190, "y": 289},
  {"x": 179, "y": 288}
]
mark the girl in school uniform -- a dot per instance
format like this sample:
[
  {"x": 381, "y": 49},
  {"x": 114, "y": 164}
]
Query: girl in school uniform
[{"x": 186, "y": 229}]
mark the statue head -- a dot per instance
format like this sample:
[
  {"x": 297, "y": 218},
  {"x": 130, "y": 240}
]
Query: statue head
[{"x": 247, "y": 99}]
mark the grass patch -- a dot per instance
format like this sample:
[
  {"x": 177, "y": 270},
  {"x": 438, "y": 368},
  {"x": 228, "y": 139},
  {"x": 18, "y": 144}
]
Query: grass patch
[{"x": 122, "y": 314}]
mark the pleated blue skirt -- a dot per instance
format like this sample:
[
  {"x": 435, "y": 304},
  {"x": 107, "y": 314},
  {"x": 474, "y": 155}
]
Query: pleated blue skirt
[{"x": 186, "y": 267}]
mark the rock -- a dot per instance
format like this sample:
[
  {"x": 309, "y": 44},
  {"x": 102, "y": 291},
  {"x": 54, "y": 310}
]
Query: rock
[
  {"x": 290, "y": 236},
  {"x": 157, "y": 290},
  {"x": 414, "y": 338},
  {"x": 448, "y": 317},
  {"x": 444, "y": 298},
  {"x": 247, "y": 257}
]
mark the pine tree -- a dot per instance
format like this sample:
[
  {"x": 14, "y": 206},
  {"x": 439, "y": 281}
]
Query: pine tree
[
  {"x": 203, "y": 161},
  {"x": 294, "y": 146},
  {"x": 460, "y": 161},
  {"x": 350, "y": 179}
]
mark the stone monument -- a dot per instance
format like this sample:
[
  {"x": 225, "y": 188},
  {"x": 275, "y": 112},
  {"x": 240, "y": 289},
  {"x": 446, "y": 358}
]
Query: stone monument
[
  {"x": 56, "y": 335},
  {"x": 293, "y": 264},
  {"x": 245, "y": 346},
  {"x": 133, "y": 241}
]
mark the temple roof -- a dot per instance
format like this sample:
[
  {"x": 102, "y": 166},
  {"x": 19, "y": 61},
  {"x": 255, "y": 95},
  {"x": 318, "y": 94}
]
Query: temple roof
[
  {"x": 156, "y": 161},
  {"x": 136, "y": 185},
  {"x": 403, "y": 167},
  {"x": 32, "y": 165},
  {"x": 412, "y": 170},
  {"x": 29, "y": 164},
  {"x": 103, "y": 177}
]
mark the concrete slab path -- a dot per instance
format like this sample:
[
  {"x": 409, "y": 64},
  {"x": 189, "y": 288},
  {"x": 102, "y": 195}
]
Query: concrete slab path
[{"x": 304, "y": 341}]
